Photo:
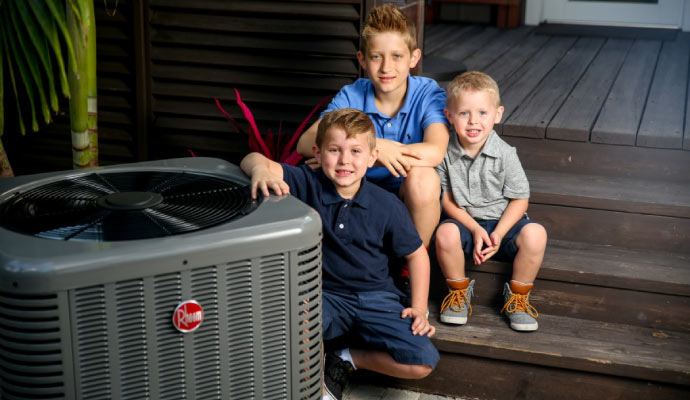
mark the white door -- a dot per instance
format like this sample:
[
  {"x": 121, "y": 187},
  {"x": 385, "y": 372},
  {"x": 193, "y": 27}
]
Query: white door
[{"x": 640, "y": 13}]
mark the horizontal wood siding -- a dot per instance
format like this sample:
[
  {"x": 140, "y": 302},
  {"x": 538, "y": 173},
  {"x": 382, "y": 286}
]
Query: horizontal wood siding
[{"x": 282, "y": 57}]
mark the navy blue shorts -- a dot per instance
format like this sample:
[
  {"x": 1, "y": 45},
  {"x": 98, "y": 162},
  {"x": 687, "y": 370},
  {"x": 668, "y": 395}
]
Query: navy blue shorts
[
  {"x": 508, "y": 249},
  {"x": 373, "y": 320}
]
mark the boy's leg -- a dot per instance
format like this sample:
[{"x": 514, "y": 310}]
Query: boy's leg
[
  {"x": 420, "y": 192},
  {"x": 452, "y": 240},
  {"x": 531, "y": 244},
  {"x": 384, "y": 363}
]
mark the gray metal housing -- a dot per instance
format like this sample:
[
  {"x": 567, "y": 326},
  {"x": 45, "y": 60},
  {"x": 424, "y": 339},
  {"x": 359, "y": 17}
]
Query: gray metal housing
[{"x": 93, "y": 320}]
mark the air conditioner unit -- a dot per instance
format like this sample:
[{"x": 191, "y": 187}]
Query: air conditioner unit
[{"x": 102, "y": 272}]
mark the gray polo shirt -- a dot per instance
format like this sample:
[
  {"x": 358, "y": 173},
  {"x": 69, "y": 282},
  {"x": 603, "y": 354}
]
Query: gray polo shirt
[{"x": 483, "y": 186}]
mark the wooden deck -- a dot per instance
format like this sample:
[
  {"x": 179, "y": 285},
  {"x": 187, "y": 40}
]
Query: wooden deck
[{"x": 630, "y": 91}]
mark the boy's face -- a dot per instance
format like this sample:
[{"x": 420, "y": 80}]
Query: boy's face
[
  {"x": 473, "y": 115},
  {"x": 388, "y": 62},
  {"x": 345, "y": 161}
]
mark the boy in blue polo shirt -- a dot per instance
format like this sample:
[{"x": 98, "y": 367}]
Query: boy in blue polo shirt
[
  {"x": 407, "y": 111},
  {"x": 363, "y": 225}
]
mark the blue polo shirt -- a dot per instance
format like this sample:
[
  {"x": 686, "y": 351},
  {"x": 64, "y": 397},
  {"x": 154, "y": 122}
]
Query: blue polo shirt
[
  {"x": 359, "y": 234},
  {"x": 424, "y": 103}
]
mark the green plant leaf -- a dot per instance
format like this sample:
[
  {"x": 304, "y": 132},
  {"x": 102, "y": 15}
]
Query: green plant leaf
[
  {"x": 49, "y": 27},
  {"x": 2, "y": 88},
  {"x": 10, "y": 68},
  {"x": 58, "y": 14},
  {"x": 30, "y": 61},
  {"x": 41, "y": 47}
]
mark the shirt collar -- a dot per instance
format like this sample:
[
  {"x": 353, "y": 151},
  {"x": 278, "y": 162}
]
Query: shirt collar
[
  {"x": 370, "y": 100},
  {"x": 490, "y": 149},
  {"x": 331, "y": 196}
]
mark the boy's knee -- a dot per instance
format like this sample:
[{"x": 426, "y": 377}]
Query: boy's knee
[
  {"x": 447, "y": 236},
  {"x": 419, "y": 371},
  {"x": 534, "y": 237},
  {"x": 422, "y": 185}
]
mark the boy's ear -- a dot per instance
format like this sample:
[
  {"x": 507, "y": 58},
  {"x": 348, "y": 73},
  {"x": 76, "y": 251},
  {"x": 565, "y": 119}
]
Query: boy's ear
[
  {"x": 499, "y": 114},
  {"x": 317, "y": 153},
  {"x": 361, "y": 59},
  {"x": 373, "y": 157},
  {"x": 447, "y": 114},
  {"x": 415, "y": 57}
]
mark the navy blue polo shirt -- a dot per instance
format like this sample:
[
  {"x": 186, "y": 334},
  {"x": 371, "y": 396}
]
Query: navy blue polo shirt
[{"x": 359, "y": 234}]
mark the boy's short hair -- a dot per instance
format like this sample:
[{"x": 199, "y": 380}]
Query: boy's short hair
[
  {"x": 474, "y": 81},
  {"x": 352, "y": 121},
  {"x": 388, "y": 18}
]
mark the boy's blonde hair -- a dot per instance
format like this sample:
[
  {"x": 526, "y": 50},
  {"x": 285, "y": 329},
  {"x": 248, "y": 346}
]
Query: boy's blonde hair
[
  {"x": 473, "y": 81},
  {"x": 352, "y": 121},
  {"x": 388, "y": 18}
]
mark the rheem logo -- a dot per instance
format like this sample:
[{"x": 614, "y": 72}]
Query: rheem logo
[{"x": 188, "y": 316}]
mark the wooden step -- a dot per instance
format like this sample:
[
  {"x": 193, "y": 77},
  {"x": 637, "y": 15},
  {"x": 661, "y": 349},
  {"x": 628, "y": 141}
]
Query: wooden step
[
  {"x": 602, "y": 283},
  {"x": 566, "y": 358}
]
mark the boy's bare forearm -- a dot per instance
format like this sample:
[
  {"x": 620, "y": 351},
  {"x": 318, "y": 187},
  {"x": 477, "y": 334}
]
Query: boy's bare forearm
[
  {"x": 512, "y": 214},
  {"x": 418, "y": 263},
  {"x": 451, "y": 208},
  {"x": 305, "y": 144},
  {"x": 434, "y": 146}
]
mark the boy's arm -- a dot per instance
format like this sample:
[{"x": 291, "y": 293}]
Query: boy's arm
[
  {"x": 418, "y": 262},
  {"x": 512, "y": 214},
  {"x": 307, "y": 140},
  {"x": 398, "y": 158},
  {"x": 265, "y": 174},
  {"x": 479, "y": 235}
]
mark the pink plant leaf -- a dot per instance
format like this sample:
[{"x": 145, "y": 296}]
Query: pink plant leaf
[
  {"x": 270, "y": 139},
  {"x": 293, "y": 158},
  {"x": 300, "y": 128},
  {"x": 229, "y": 117},
  {"x": 191, "y": 152},
  {"x": 252, "y": 123}
]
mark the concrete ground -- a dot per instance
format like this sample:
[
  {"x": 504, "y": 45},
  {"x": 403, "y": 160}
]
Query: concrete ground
[{"x": 361, "y": 391}]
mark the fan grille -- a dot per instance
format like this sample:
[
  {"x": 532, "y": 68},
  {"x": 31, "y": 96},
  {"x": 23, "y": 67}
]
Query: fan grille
[{"x": 76, "y": 208}]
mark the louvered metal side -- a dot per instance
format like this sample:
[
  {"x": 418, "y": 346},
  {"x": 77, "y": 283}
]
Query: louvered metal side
[{"x": 260, "y": 338}]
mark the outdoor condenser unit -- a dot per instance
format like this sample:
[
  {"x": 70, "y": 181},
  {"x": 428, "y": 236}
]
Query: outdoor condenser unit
[{"x": 157, "y": 280}]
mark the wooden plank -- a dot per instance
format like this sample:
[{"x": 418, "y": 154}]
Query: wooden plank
[
  {"x": 504, "y": 66},
  {"x": 470, "y": 377},
  {"x": 285, "y": 63},
  {"x": 686, "y": 135},
  {"x": 576, "y": 117},
  {"x": 256, "y": 25},
  {"x": 521, "y": 83},
  {"x": 580, "y": 263},
  {"x": 321, "y": 10},
  {"x": 506, "y": 40},
  {"x": 458, "y": 35},
  {"x": 311, "y": 45},
  {"x": 620, "y": 116},
  {"x": 233, "y": 77},
  {"x": 531, "y": 117},
  {"x": 663, "y": 118},
  {"x": 614, "y": 228},
  {"x": 602, "y": 159},
  {"x": 466, "y": 48},
  {"x": 573, "y": 344},
  {"x": 642, "y": 196}
]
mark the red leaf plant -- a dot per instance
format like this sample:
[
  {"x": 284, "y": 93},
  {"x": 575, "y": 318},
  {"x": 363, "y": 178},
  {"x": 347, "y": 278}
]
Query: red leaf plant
[{"x": 270, "y": 144}]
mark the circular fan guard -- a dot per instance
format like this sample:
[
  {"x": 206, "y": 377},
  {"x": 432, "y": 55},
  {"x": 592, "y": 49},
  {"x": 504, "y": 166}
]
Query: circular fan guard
[{"x": 125, "y": 206}]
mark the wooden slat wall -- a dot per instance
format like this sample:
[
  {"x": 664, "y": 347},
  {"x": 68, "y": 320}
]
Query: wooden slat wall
[
  {"x": 283, "y": 57},
  {"x": 161, "y": 63}
]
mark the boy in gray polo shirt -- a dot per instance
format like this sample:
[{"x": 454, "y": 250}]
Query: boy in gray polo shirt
[{"x": 485, "y": 199}]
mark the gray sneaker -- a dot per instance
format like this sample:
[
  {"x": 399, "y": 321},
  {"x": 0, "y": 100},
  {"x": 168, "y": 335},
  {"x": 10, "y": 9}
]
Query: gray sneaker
[
  {"x": 520, "y": 312},
  {"x": 456, "y": 307}
]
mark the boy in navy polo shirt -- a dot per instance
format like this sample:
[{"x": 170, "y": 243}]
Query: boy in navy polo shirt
[
  {"x": 486, "y": 194},
  {"x": 407, "y": 111},
  {"x": 363, "y": 225}
]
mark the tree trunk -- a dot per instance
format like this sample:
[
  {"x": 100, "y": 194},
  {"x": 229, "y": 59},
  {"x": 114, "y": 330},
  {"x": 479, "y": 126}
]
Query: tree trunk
[
  {"x": 5, "y": 167},
  {"x": 81, "y": 104},
  {"x": 92, "y": 89}
]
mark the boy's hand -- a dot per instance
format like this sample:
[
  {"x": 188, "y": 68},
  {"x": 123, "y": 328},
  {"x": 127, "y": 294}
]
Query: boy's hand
[
  {"x": 263, "y": 179},
  {"x": 313, "y": 163},
  {"x": 420, "y": 325},
  {"x": 393, "y": 155},
  {"x": 481, "y": 239},
  {"x": 489, "y": 251}
]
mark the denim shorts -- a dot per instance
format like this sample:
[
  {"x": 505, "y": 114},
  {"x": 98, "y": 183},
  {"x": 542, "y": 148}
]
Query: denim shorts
[
  {"x": 508, "y": 249},
  {"x": 372, "y": 320}
]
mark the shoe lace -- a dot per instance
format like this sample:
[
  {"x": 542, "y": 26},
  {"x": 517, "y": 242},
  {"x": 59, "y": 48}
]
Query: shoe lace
[
  {"x": 455, "y": 300},
  {"x": 520, "y": 302}
]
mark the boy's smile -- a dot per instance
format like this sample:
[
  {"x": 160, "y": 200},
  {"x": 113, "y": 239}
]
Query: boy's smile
[
  {"x": 473, "y": 115},
  {"x": 388, "y": 62},
  {"x": 345, "y": 160}
]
